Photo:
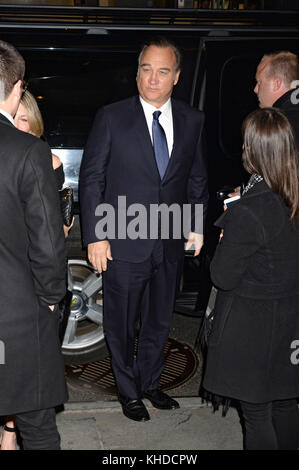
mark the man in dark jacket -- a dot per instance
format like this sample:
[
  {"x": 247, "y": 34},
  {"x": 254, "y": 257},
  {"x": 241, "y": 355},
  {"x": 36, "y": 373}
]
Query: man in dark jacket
[
  {"x": 32, "y": 272},
  {"x": 130, "y": 154},
  {"x": 276, "y": 77}
]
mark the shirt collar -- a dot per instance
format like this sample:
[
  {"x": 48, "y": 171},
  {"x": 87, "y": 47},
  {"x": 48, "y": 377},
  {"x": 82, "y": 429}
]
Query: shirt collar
[
  {"x": 7, "y": 115},
  {"x": 149, "y": 108}
]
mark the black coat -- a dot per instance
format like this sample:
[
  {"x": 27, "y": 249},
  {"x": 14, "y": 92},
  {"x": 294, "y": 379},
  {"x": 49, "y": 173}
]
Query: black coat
[
  {"x": 32, "y": 275},
  {"x": 288, "y": 104},
  {"x": 119, "y": 160},
  {"x": 256, "y": 268}
]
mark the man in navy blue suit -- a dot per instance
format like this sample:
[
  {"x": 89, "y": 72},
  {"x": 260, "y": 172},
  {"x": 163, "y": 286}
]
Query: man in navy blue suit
[{"x": 142, "y": 152}]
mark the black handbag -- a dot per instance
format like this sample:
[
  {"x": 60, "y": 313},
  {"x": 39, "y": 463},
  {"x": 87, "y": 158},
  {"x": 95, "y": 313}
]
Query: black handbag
[
  {"x": 205, "y": 330},
  {"x": 201, "y": 346},
  {"x": 67, "y": 205}
]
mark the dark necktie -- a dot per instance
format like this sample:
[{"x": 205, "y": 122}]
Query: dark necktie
[{"x": 160, "y": 144}]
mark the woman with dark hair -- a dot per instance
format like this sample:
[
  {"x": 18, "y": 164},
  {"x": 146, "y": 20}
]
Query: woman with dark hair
[{"x": 253, "y": 350}]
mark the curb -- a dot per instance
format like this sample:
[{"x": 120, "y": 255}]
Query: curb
[{"x": 186, "y": 402}]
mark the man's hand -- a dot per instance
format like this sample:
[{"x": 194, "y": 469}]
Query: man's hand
[
  {"x": 98, "y": 253},
  {"x": 195, "y": 239}
]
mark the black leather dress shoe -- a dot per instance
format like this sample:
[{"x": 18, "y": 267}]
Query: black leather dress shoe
[
  {"x": 160, "y": 400},
  {"x": 134, "y": 409}
]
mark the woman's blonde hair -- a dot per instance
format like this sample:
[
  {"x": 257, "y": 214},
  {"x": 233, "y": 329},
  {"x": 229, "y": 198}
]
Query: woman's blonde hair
[{"x": 34, "y": 116}]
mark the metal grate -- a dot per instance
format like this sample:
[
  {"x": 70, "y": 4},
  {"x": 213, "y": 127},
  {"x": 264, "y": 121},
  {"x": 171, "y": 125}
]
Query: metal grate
[{"x": 181, "y": 363}]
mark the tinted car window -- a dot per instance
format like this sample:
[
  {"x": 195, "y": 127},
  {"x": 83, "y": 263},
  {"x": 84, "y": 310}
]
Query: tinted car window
[
  {"x": 76, "y": 88},
  {"x": 230, "y": 65},
  {"x": 71, "y": 83},
  {"x": 237, "y": 100},
  {"x": 236, "y": 90}
]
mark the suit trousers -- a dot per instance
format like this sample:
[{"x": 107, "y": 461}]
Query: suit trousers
[
  {"x": 38, "y": 430},
  {"x": 132, "y": 290}
]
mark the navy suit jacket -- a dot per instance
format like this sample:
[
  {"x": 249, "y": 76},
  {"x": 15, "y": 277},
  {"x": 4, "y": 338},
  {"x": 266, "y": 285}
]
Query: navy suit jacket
[{"x": 119, "y": 161}]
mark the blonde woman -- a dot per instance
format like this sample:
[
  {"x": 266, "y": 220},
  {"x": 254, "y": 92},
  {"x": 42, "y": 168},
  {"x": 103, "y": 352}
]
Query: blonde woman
[{"x": 28, "y": 118}]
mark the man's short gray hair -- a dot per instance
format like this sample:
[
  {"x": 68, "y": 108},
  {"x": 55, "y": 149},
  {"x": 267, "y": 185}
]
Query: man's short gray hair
[{"x": 163, "y": 42}]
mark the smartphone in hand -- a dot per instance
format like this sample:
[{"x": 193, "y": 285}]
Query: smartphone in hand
[{"x": 230, "y": 200}]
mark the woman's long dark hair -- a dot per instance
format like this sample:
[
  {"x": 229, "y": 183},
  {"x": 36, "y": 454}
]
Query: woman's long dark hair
[{"x": 270, "y": 150}]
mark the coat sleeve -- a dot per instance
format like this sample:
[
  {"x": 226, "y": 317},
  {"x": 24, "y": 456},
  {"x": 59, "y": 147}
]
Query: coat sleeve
[
  {"x": 243, "y": 236},
  {"x": 93, "y": 175},
  {"x": 198, "y": 179},
  {"x": 43, "y": 220}
]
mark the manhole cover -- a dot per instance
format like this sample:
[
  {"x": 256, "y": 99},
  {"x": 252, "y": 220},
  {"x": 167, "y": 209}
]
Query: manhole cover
[{"x": 181, "y": 365}]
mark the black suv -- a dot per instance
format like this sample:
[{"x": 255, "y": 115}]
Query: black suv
[{"x": 79, "y": 59}]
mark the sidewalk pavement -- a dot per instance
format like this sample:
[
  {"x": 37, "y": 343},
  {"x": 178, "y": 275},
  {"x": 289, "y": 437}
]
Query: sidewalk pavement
[{"x": 101, "y": 425}]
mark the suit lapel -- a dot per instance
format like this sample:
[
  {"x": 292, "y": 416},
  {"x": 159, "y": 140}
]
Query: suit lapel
[
  {"x": 178, "y": 120},
  {"x": 143, "y": 137}
]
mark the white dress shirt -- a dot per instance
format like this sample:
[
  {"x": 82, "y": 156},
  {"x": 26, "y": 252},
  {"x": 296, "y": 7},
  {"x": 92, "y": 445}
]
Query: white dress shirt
[
  {"x": 7, "y": 115},
  {"x": 165, "y": 119}
]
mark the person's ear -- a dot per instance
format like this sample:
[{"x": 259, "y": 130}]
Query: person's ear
[
  {"x": 17, "y": 89},
  {"x": 176, "y": 77},
  {"x": 277, "y": 83}
]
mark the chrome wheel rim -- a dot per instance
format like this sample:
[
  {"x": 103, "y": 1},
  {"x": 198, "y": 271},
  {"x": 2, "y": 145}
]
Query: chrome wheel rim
[{"x": 85, "y": 323}]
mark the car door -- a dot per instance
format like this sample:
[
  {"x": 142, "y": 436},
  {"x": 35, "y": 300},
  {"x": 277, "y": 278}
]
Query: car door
[{"x": 224, "y": 91}]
